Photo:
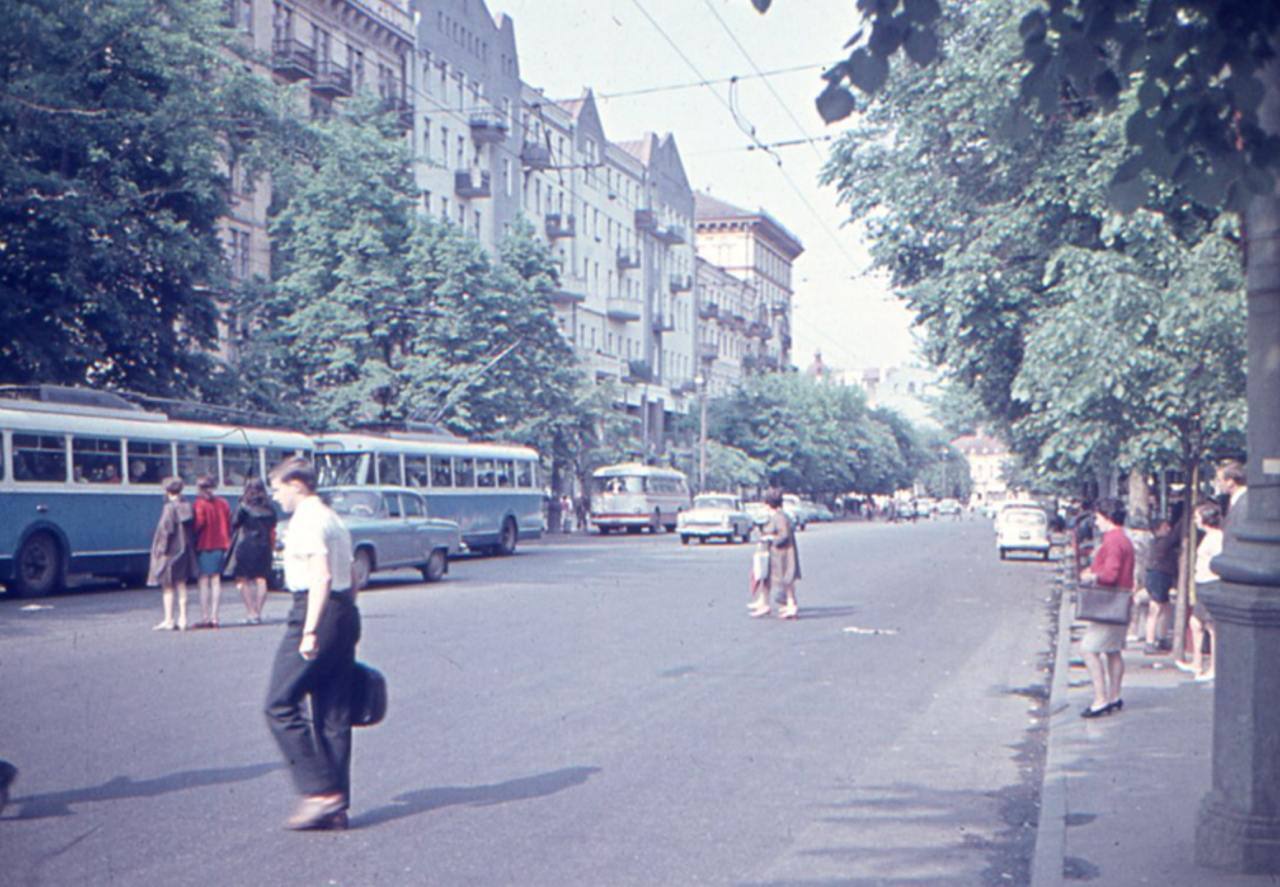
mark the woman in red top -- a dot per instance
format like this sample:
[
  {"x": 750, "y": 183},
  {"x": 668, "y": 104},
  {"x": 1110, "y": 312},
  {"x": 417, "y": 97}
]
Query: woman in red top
[
  {"x": 213, "y": 538},
  {"x": 1103, "y": 643}
]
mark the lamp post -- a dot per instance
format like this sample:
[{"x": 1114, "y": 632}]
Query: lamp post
[{"x": 701, "y": 382}]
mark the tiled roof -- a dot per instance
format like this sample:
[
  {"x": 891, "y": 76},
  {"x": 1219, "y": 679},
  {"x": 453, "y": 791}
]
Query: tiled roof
[{"x": 708, "y": 207}]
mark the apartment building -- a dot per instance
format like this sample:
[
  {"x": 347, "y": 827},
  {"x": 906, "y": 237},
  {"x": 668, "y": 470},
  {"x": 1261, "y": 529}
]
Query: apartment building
[
  {"x": 334, "y": 50},
  {"x": 466, "y": 127},
  {"x": 753, "y": 246},
  {"x": 731, "y": 334}
]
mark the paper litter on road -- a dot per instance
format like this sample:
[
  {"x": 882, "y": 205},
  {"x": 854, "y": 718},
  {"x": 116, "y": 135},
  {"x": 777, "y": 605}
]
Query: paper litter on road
[
  {"x": 858, "y": 629},
  {"x": 31, "y": 608}
]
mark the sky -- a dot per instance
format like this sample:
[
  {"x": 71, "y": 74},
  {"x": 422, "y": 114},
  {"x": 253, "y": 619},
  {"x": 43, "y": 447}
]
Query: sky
[{"x": 618, "y": 46}]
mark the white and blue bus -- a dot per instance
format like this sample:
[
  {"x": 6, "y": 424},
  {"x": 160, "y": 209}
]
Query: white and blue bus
[
  {"x": 80, "y": 481},
  {"x": 491, "y": 490}
]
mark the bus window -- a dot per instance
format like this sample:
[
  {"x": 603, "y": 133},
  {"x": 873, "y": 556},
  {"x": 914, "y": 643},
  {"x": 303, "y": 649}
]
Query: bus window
[
  {"x": 524, "y": 474},
  {"x": 413, "y": 506},
  {"x": 484, "y": 473},
  {"x": 238, "y": 465},
  {"x": 95, "y": 460},
  {"x": 40, "y": 457},
  {"x": 275, "y": 455},
  {"x": 393, "y": 504},
  {"x": 195, "y": 460},
  {"x": 341, "y": 469},
  {"x": 4, "y": 463},
  {"x": 441, "y": 471},
  {"x": 149, "y": 461},
  {"x": 506, "y": 473},
  {"x": 415, "y": 471},
  {"x": 465, "y": 472},
  {"x": 389, "y": 469}
]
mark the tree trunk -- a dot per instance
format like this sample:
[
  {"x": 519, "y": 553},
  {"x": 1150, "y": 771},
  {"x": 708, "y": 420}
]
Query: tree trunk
[
  {"x": 1138, "y": 498},
  {"x": 1186, "y": 560}
]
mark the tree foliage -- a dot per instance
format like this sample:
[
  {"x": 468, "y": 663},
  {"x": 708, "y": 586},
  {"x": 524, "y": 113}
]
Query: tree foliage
[{"x": 114, "y": 117}]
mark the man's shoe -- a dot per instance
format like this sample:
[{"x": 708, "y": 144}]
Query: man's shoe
[
  {"x": 8, "y": 773},
  {"x": 313, "y": 810}
]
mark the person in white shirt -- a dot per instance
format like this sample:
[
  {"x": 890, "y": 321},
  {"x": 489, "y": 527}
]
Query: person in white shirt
[
  {"x": 316, "y": 657},
  {"x": 1209, "y": 521}
]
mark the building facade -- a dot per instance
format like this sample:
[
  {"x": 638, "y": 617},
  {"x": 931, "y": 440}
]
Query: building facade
[
  {"x": 730, "y": 335},
  {"x": 986, "y": 456},
  {"x": 753, "y": 246}
]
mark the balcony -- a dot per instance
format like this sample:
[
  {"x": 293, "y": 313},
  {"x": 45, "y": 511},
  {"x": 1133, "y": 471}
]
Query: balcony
[
  {"x": 663, "y": 323},
  {"x": 467, "y": 184},
  {"x": 646, "y": 220},
  {"x": 672, "y": 234},
  {"x": 707, "y": 351},
  {"x": 758, "y": 330},
  {"x": 563, "y": 295},
  {"x": 638, "y": 372},
  {"x": 604, "y": 366},
  {"x": 627, "y": 260},
  {"x": 559, "y": 226},
  {"x": 535, "y": 156},
  {"x": 708, "y": 310},
  {"x": 402, "y": 108},
  {"x": 332, "y": 80},
  {"x": 292, "y": 59},
  {"x": 488, "y": 127},
  {"x": 688, "y": 386},
  {"x": 681, "y": 283},
  {"x": 625, "y": 310}
]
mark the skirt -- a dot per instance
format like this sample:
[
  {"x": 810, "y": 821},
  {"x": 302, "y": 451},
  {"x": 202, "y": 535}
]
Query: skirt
[{"x": 1103, "y": 637}]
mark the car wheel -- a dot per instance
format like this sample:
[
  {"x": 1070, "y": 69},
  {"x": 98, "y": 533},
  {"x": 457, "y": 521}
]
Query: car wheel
[
  {"x": 684, "y": 538},
  {"x": 37, "y": 570},
  {"x": 435, "y": 567},
  {"x": 508, "y": 537},
  {"x": 361, "y": 569}
]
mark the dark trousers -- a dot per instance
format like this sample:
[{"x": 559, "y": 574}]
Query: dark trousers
[{"x": 316, "y": 748}]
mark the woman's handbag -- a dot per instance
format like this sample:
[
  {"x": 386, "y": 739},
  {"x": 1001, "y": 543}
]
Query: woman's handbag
[
  {"x": 1096, "y": 603},
  {"x": 368, "y": 696}
]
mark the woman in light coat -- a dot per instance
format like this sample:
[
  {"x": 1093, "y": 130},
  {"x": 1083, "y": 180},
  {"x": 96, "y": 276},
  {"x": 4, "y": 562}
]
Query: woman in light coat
[
  {"x": 173, "y": 554},
  {"x": 784, "y": 558}
]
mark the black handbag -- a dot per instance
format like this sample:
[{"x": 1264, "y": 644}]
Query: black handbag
[
  {"x": 368, "y": 696},
  {"x": 1096, "y": 603}
]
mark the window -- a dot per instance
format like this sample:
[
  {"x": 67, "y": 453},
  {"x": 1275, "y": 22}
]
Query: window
[
  {"x": 415, "y": 471},
  {"x": 444, "y": 145},
  {"x": 462, "y": 154},
  {"x": 465, "y": 472},
  {"x": 95, "y": 460},
  {"x": 484, "y": 473},
  {"x": 238, "y": 253},
  {"x": 426, "y": 137},
  {"x": 240, "y": 15},
  {"x": 524, "y": 474},
  {"x": 506, "y": 473},
  {"x": 392, "y": 501},
  {"x": 238, "y": 465},
  {"x": 413, "y": 505},
  {"x": 150, "y": 462},
  {"x": 275, "y": 455},
  {"x": 357, "y": 68},
  {"x": 441, "y": 471},
  {"x": 40, "y": 457},
  {"x": 195, "y": 460},
  {"x": 389, "y": 469}
]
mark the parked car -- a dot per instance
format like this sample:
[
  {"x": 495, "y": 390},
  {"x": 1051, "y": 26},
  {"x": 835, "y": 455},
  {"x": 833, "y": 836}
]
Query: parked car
[
  {"x": 821, "y": 513},
  {"x": 1014, "y": 507},
  {"x": 949, "y": 507},
  {"x": 925, "y": 507},
  {"x": 390, "y": 530},
  {"x": 759, "y": 512},
  {"x": 795, "y": 509},
  {"x": 715, "y": 515},
  {"x": 1023, "y": 529}
]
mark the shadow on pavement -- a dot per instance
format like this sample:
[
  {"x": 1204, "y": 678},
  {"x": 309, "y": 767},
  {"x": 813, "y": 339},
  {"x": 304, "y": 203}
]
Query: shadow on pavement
[
  {"x": 825, "y": 612},
  {"x": 123, "y": 787},
  {"x": 522, "y": 789}
]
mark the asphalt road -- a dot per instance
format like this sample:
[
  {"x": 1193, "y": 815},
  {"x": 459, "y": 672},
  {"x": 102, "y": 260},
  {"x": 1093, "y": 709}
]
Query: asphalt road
[{"x": 597, "y": 711}]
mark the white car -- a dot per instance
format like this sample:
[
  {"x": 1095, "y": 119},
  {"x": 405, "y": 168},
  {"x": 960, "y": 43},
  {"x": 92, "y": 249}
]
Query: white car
[
  {"x": 715, "y": 516},
  {"x": 1023, "y": 529},
  {"x": 759, "y": 512}
]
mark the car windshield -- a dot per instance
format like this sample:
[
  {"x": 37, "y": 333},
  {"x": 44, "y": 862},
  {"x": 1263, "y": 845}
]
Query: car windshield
[
  {"x": 1026, "y": 518},
  {"x": 354, "y": 503},
  {"x": 713, "y": 502},
  {"x": 619, "y": 484}
]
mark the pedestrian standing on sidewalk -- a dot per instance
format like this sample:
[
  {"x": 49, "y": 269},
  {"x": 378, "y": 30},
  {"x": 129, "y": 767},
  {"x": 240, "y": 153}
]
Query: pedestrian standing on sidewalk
[
  {"x": 1162, "y": 573},
  {"x": 173, "y": 554},
  {"x": 784, "y": 558},
  {"x": 1103, "y": 643},
  {"x": 252, "y": 533},
  {"x": 317, "y": 655},
  {"x": 1209, "y": 523},
  {"x": 213, "y": 538}
]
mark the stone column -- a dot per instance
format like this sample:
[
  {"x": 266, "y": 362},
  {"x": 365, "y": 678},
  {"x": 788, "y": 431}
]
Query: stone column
[{"x": 1239, "y": 821}]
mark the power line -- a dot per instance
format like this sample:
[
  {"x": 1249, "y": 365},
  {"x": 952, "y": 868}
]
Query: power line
[{"x": 649, "y": 90}]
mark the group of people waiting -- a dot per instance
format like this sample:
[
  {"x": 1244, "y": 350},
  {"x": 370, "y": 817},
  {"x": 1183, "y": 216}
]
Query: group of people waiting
[
  {"x": 201, "y": 541},
  {"x": 1149, "y": 571}
]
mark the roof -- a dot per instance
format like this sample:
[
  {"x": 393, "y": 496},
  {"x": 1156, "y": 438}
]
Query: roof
[
  {"x": 979, "y": 444},
  {"x": 637, "y": 148},
  {"x": 708, "y": 210},
  {"x": 708, "y": 207}
]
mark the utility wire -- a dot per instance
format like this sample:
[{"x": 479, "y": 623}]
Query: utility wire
[{"x": 649, "y": 90}]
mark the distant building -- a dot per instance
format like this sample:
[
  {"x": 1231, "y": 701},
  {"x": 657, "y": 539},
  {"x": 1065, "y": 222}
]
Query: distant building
[
  {"x": 986, "y": 456},
  {"x": 907, "y": 390},
  {"x": 727, "y": 306}
]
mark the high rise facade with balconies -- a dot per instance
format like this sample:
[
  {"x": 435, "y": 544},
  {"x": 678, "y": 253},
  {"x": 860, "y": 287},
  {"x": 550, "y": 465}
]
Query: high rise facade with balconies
[{"x": 731, "y": 328}]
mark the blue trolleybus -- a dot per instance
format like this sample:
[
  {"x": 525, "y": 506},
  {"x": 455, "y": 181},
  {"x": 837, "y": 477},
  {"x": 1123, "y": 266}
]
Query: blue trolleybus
[
  {"x": 491, "y": 490},
  {"x": 80, "y": 480}
]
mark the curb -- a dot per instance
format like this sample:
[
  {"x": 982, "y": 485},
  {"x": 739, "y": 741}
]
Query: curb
[{"x": 1051, "y": 827}]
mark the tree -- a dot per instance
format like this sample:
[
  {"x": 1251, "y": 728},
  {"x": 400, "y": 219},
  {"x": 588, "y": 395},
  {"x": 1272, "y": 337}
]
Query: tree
[{"x": 113, "y": 120}]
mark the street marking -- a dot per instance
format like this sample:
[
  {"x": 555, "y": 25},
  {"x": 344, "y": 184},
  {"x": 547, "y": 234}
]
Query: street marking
[
  {"x": 31, "y": 608},
  {"x": 857, "y": 629}
]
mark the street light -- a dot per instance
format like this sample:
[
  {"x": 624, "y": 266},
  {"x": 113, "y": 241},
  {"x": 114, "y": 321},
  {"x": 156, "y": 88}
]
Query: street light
[{"x": 701, "y": 381}]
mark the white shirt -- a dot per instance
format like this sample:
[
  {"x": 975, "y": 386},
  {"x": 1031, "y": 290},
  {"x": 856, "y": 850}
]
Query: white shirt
[
  {"x": 315, "y": 529},
  {"x": 1209, "y": 548}
]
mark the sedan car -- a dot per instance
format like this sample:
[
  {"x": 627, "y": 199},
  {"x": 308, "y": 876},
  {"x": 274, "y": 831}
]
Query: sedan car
[
  {"x": 390, "y": 530},
  {"x": 949, "y": 507},
  {"x": 715, "y": 515},
  {"x": 759, "y": 512},
  {"x": 1023, "y": 529}
]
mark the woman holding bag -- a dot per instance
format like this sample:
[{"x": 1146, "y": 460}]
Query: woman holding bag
[
  {"x": 1103, "y": 642},
  {"x": 249, "y": 563}
]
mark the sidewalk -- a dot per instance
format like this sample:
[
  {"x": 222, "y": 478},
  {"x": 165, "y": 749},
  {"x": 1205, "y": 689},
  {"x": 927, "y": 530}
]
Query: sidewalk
[{"x": 1121, "y": 793}]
